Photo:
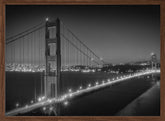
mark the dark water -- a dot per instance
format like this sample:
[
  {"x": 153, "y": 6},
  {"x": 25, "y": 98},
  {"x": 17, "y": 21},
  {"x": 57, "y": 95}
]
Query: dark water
[
  {"x": 108, "y": 101},
  {"x": 20, "y": 87}
]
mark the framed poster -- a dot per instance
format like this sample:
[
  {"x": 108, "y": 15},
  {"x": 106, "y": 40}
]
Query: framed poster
[{"x": 75, "y": 60}]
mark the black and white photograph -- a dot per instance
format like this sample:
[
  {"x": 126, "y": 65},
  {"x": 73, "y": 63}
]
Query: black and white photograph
[{"x": 82, "y": 60}]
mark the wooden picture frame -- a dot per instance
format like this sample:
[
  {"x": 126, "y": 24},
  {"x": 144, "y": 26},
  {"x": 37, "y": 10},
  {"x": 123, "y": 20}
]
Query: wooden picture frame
[{"x": 81, "y": 2}]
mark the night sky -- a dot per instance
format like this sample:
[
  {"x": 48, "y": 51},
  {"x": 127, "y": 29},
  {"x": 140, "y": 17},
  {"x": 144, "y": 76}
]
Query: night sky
[{"x": 118, "y": 34}]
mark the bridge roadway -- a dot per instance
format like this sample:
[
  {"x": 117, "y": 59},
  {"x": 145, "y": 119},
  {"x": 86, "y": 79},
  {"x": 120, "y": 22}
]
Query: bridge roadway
[{"x": 79, "y": 92}]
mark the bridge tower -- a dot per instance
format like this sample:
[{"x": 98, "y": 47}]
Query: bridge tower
[
  {"x": 153, "y": 61},
  {"x": 53, "y": 59},
  {"x": 153, "y": 66}
]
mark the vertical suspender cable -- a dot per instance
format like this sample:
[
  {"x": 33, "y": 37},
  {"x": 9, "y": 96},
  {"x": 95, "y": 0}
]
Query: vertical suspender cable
[
  {"x": 23, "y": 48},
  {"x": 39, "y": 59},
  {"x": 14, "y": 55},
  {"x": 31, "y": 45}
]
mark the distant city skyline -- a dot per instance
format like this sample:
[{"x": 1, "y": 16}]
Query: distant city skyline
[{"x": 118, "y": 34}]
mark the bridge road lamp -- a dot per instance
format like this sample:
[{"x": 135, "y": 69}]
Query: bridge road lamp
[{"x": 53, "y": 60}]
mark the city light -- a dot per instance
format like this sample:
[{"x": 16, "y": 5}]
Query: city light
[
  {"x": 65, "y": 96},
  {"x": 44, "y": 108},
  {"x": 66, "y": 103},
  {"x": 39, "y": 99},
  {"x": 49, "y": 100},
  {"x": 31, "y": 101},
  {"x": 43, "y": 97},
  {"x": 17, "y": 105},
  {"x": 89, "y": 85},
  {"x": 24, "y": 67},
  {"x": 70, "y": 95},
  {"x": 152, "y": 54},
  {"x": 70, "y": 90},
  {"x": 80, "y": 87},
  {"x": 51, "y": 108},
  {"x": 47, "y": 19}
]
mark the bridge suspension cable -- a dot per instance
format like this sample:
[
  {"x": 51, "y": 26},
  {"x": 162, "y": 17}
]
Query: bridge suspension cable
[
  {"x": 24, "y": 33},
  {"x": 82, "y": 42},
  {"x": 85, "y": 56}
]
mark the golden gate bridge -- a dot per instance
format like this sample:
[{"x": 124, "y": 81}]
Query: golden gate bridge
[{"x": 52, "y": 48}]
